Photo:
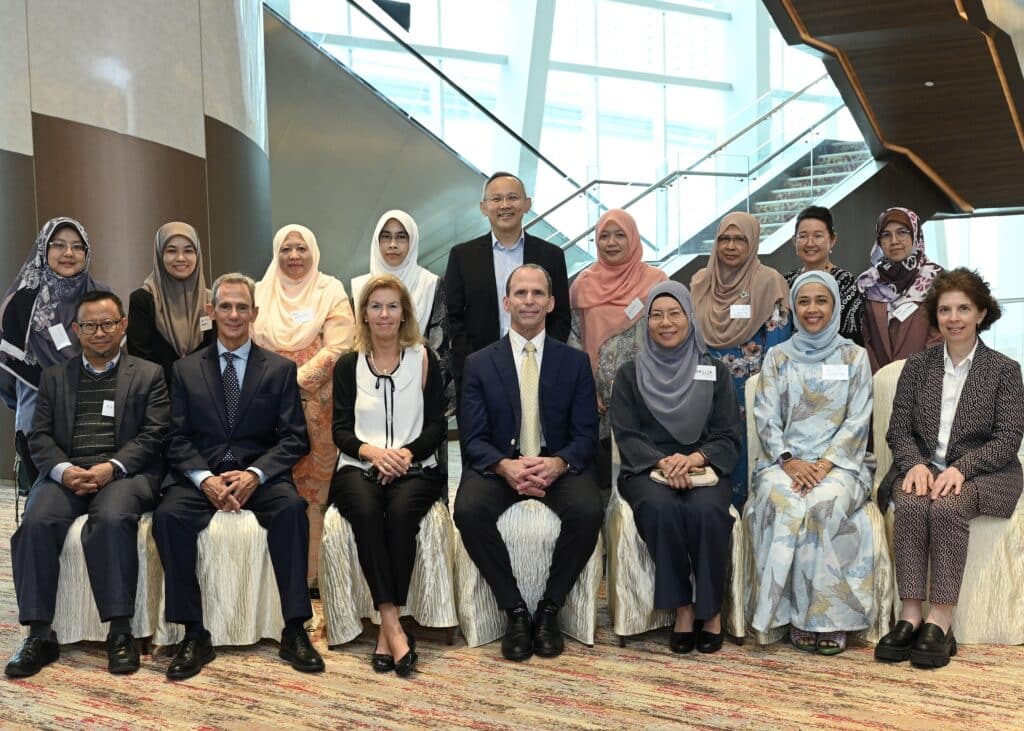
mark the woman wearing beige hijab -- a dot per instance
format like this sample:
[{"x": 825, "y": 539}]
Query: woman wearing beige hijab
[
  {"x": 742, "y": 308},
  {"x": 305, "y": 316}
]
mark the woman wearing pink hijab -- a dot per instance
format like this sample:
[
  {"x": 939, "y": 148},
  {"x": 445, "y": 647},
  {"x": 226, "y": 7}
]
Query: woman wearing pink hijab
[{"x": 608, "y": 301}]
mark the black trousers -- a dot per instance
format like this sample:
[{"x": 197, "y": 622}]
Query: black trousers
[
  {"x": 385, "y": 520},
  {"x": 185, "y": 511},
  {"x": 686, "y": 532},
  {"x": 109, "y": 541},
  {"x": 481, "y": 500}
]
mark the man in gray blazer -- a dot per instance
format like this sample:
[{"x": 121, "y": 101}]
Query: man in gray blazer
[{"x": 96, "y": 438}]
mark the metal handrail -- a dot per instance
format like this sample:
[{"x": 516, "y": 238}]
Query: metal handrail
[{"x": 581, "y": 191}]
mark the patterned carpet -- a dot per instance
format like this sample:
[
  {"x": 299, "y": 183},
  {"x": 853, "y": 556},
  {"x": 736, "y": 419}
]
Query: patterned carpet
[{"x": 640, "y": 686}]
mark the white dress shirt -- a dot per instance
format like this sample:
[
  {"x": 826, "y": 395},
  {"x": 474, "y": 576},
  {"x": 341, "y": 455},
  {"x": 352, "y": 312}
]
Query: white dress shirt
[
  {"x": 506, "y": 261},
  {"x": 518, "y": 342},
  {"x": 953, "y": 379}
]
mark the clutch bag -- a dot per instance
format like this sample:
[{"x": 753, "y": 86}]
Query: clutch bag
[{"x": 700, "y": 477}]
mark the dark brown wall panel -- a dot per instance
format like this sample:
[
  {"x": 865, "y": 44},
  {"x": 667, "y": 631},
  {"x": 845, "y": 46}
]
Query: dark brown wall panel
[
  {"x": 238, "y": 173},
  {"x": 121, "y": 188}
]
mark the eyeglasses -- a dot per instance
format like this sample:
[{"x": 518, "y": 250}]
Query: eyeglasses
[
  {"x": 62, "y": 246},
  {"x": 657, "y": 316},
  {"x": 818, "y": 238},
  {"x": 107, "y": 326},
  {"x": 732, "y": 239},
  {"x": 386, "y": 237},
  {"x": 903, "y": 234},
  {"x": 497, "y": 200}
]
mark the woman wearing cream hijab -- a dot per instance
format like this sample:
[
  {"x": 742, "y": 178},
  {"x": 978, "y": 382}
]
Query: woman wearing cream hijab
[{"x": 305, "y": 316}]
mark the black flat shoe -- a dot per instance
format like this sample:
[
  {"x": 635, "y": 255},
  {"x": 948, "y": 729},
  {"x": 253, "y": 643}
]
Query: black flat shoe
[
  {"x": 122, "y": 654},
  {"x": 895, "y": 646},
  {"x": 382, "y": 663},
  {"x": 933, "y": 647},
  {"x": 406, "y": 664},
  {"x": 517, "y": 644},
  {"x": 34, "y": 653},
  {"x": 189, "y": 658},
  {"x": 547, "y": 637},
  {"x": 297, "y": 649},
  {"x": 709, "y": 641},
  {"x": 682, "y": 642}
]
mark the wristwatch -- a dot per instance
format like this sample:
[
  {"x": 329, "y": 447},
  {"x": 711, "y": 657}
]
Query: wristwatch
[
  {"x": 785, "y": 457},
  {"x": 119, "y": 474}
]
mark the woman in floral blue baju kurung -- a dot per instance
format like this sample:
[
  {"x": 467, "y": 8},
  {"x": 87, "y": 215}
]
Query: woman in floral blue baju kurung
[
  {"x": 742, "y": 308},
  {"x": 811, "y": 537}
]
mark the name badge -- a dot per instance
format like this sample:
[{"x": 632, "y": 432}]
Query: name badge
[
  {"x": 904, "y": 311},
  {"x": 705, "y": 373},
  {"x": 59, "y": 336},
  {"x": 108, "y": 407},
  {"x": 205, "y": 323},
  {"x": 739, "y": 312},
  {"x": 634, "y": 308},
  {"x": 835, "y": 372},
  {"x": 302, "y": 316}
]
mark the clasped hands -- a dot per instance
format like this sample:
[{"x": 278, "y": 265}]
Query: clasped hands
[
  {"x": 390, "y": 463},
  {"x": 676, "y": 467},
  {"x": 531, "y": 476},
  {"x": 83, "y": 481},
  {"x": 921, "y": 481},
  {"x": 806, "y": 475},
  {"x": 230, "y": 491}
]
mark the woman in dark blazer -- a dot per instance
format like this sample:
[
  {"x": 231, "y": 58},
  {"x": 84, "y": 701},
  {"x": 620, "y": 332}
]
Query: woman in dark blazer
[{"x": 956, "y": 427}]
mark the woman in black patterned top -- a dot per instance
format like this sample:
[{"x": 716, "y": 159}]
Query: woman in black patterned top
[{"x": 814, "y": 240}]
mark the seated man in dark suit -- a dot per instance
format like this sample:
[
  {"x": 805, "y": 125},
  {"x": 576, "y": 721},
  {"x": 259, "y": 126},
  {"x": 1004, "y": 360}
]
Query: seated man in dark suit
[
  {"x": 529, "y": 416},
  {"x": 478, "y": 270},
  {"x": 237, "y": 428},
  {"x": 97, "y": 435}
]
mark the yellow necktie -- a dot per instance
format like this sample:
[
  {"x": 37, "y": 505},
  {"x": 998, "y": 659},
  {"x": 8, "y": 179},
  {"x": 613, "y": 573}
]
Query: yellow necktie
[{"x": 529, "y": 428}]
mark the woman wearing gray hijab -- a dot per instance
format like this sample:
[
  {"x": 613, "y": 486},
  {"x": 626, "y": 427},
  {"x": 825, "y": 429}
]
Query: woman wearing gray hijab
[{"x": 675, "y": 420}]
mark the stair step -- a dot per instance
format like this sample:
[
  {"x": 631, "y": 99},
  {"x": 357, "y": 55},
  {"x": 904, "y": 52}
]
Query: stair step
[
  {"x": 846, "y": 167},
  {"x": 819, "y": 178},
  {"x": 838, "y": 158},
  {"x": 779, "y": 217},
  {"x": 800, "y": 193},
  {"x": 780, "y": 205},
  {"x": 837, "y": 147}
]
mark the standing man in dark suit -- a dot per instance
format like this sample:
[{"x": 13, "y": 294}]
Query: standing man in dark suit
[
  {"x": 529, "y": 421},
  {"x": 237, "y": 428},
  {"x": 97, "y": 435},
  {"x": 478, "y": 270}
]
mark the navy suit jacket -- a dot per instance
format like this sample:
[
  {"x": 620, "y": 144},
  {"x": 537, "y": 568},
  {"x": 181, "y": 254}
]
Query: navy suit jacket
[
  {"x": 270, "y": 429},
  {"x": 491, "y": 410},
  {"x": 472, "y": 298}
]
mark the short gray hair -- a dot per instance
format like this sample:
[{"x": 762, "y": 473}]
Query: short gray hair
[
  {"x": 233, "y": 278},
  {"x": 502, "y": 174},
  {"x": 535, "y": 267}
]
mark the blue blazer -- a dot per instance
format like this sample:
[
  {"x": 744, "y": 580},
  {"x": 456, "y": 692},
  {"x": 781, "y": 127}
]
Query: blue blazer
[{"x": 490, "y": 413}]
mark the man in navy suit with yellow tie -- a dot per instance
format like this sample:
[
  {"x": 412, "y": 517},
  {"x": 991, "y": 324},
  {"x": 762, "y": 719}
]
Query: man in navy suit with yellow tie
[{"x": 529, "y": 424}]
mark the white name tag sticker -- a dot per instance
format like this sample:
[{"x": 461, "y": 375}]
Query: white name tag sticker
[
  {"x": 59, "y": 336},
  {"x": 205, "y": 323},
  {"x": 904, "y": 311},
  {"x": 108, "y": 407},
  {"x": 739, "y": 312},
  {"x": 635, "y": 308},
  {"x": 835, "y": 372},
  {"x": 704, "y": 373},
  {"x": 302, "y": 316}
]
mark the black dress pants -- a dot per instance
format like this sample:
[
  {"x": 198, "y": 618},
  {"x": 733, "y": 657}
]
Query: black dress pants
[
  {"x": 109, "y": 541},
  {"x": 686, "y": 532},
  {"x": 385, "y": 520},
  {"x": 185, "y": 511},
  {"x": 481, "y": 500}
]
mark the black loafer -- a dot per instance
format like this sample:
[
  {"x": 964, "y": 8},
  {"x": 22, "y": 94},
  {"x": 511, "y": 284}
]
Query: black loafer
[
  {"x": 122, "y": 654},
  {"x": 682, "y": 642},
  {"x": 297, "y": 649},
  {"x": 709, "y": 641},
  {"x": 517, "y": 644},
  {"x": 547, "y": 637},
  {"x": 32, "y": 656},
  {"x": 895, "y": 646},
  {"x": 933, "y": 647},
  {"x": 191, "y": 655},
  {"x": 406, "y": 664},
  {"x": 382, "y": 663}
]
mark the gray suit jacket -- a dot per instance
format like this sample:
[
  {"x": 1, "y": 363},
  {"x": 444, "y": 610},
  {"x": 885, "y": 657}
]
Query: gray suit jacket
[
  {"x": 141, "y": 417},
  {"x": 986, "y": 431}
]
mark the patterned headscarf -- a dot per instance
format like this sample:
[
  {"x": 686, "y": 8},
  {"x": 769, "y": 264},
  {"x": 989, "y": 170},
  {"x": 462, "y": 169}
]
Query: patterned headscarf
[{"x": 898, "y": 282}]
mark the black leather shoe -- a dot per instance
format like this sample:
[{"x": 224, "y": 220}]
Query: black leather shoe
[
  {"x": 518, "y": 641},
  {"x": 406, "y": 664},
  {"x": 933, "y": 647},
  {"x": 547, "y": 637},
  {"x": 189, "y": 658},
  {"x": 895, "y": 646},
  {"x": 122, "y": 654},
  {"x": 709, "y": 641},
  {"x": 682, "y": 642},
  {"x": 34, "y": 653},
  {"x": 297, "y": 649},
  {"x": 382, "y": 663}
]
